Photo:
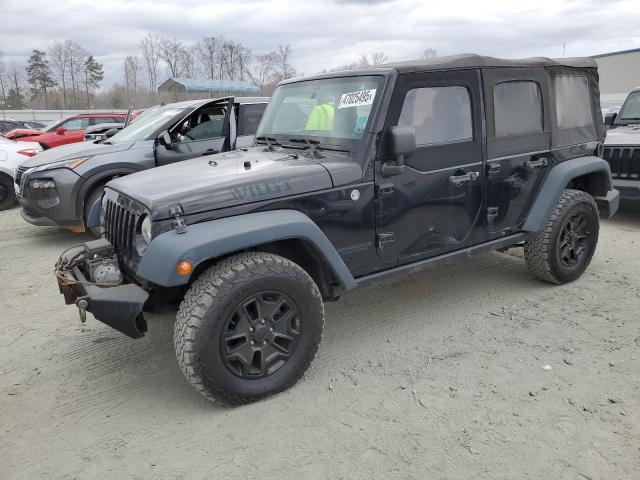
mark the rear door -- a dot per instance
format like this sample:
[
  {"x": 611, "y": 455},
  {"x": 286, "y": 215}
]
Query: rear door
[
  {"x": 518, "y": 143},
  {"x": 203, "y": 132},
  {"x": 432, "y": 206}
]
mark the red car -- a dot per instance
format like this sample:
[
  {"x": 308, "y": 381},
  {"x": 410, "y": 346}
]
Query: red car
[{"x": 68, "y": 130}]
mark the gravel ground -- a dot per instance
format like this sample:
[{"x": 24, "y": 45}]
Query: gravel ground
[{"x": 468, "y": 369}]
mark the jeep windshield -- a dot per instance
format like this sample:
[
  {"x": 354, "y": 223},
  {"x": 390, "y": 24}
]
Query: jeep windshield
[
  {"x": 148, "y": 124},
  {"x": 325, "y": 112},
  {"x": 630, "y": 111}
]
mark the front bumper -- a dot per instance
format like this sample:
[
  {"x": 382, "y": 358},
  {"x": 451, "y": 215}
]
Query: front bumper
[
  {"x": 609, "y": 204},
  {"x": 120, "y": 307},
  {"x": 52, "y": 206},
  {"x": 629, "y": 189}
]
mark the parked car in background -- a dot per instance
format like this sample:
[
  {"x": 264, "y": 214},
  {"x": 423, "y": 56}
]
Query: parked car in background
[
  {"x": 60, "y": 186},
  {"x": 12, "y": 154},
  {"x": 622, "y": 147},
  {"x": 62, "y": 132},
  {"x": 8, "y": 124}
]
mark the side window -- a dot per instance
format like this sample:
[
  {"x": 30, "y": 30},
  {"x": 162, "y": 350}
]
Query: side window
[
  {"x": 573, "y": 102},
  {"x": 517, "y": 107},
  {"x": 439, "y": 114},
  {"x": 116, "y": 120},
  {"x": 251, "y": 115},
  {"x": 204, "y": 124},
  {"x": 76, "y": 124}
]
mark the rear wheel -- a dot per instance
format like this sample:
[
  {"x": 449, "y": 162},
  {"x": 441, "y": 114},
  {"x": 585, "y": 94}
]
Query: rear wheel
[
  {"x": 248, "y": 327},
  {"x": 7, "y": 192},
  {"x": 563, "y": 250}
]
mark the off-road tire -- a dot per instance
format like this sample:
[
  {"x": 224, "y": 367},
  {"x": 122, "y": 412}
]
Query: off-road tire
[
  {"x": 210, "y": 301},
  {"x": 542, "y": 252},
  {"x": 8, "y": 194}
]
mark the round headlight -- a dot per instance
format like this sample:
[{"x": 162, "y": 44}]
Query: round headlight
[{"x": 145, "y": 229}]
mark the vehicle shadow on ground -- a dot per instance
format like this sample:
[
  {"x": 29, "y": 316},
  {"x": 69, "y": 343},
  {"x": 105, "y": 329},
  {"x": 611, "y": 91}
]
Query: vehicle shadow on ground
[{"x": 147, "y": 368}]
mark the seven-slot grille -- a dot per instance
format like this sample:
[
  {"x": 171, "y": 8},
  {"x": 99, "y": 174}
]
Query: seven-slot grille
[
  {"x": 624, "y": 162},
  {"x": 120, "y": 229},
  {"x": 19, "y": 172}
]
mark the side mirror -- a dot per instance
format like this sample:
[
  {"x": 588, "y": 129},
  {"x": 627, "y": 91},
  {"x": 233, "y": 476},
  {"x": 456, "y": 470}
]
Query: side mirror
[
  {"x": 110, "y": 133},
  {"x": 609, "y": 118},
  {"x": 403, "y": 144},
  {"x": 60, "y": 130},
  {"x": 164, "y": 139}
]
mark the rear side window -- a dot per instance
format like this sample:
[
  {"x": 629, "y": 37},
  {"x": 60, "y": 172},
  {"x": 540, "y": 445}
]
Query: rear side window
[
  {"x": 251, "y": 115},
  {"x": 76, "y": 124},
  {"x": 573, "y": 102},
  {"x": 517, "y": 108},
  {"x": 439, "y": 114}
]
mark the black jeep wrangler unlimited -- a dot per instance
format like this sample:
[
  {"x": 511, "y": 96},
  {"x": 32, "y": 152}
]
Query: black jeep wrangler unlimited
[{"x": 354, "y": 176}]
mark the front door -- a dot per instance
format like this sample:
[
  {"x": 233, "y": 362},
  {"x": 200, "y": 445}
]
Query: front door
[
  {"x": 204, "y": 132},
  {"x": 431, "y": 206}
]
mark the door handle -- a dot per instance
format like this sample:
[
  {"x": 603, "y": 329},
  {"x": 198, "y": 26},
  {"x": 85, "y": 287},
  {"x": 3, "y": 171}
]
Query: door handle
[
  {"x": 540, "y": 162},
  {"x": 459, "y": 180}
]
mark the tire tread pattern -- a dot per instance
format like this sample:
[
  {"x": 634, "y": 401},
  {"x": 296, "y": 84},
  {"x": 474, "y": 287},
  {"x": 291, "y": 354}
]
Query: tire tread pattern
[
  {"x": 215, "y": 285},
  {"x": 538, "y": 250}
]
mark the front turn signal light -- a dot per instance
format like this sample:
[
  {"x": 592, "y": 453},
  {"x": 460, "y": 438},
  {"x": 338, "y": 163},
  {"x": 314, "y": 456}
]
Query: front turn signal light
[{"x": 185, "y": 267}]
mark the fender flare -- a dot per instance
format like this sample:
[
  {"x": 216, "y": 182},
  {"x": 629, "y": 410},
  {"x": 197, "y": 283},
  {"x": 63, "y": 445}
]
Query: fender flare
[
  {"x": 556, "y": 182},
  {"x": 207, "y": 240}
]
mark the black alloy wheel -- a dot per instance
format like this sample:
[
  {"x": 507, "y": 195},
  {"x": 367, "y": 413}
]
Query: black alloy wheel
[{"x": 260, "y": 335}]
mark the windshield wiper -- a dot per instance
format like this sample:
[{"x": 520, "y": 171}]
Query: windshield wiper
[
  {"x": 270, "y": 141},
  {"x": 312, "y": 144}
]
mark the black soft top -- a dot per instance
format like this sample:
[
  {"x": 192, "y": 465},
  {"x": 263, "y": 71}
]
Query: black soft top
[{"x": 472, "y": 60}]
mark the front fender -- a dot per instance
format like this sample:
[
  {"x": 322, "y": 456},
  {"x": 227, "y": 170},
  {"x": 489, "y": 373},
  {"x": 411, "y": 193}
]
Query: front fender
[
  {"x": 212, "y": 239},
  {"x": 556, "y": 182}
]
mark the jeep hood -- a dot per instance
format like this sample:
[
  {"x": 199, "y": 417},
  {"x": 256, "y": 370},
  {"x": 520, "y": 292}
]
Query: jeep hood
[
  {"x": 627, "y": 135},
  {"x": 74, "y": 150},
  {"x": 225, "y": 180}
]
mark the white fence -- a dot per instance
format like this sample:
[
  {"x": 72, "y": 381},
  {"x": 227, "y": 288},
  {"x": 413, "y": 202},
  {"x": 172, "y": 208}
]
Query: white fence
[{"x": 45, "y": 116}]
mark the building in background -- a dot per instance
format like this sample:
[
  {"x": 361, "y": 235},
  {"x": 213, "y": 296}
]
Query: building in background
[{"x": 619, "y": 71}]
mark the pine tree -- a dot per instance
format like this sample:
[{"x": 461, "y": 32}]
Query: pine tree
[
  {"x": 93, "y": 75},
  {"x": 39, "y": 74}
]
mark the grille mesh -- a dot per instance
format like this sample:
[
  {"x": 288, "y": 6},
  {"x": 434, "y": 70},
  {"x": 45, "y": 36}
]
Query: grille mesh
[{"x": 624, "y": 162}]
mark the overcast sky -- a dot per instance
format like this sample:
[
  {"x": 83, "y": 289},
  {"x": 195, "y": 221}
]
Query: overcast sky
[{"x": 329, "y": 33}]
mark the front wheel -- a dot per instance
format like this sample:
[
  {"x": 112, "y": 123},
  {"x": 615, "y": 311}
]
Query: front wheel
[
  {"x": 248, "y": 327},
  {"x": 562, "y": 251},
  {"x": 7, "y": 193}
]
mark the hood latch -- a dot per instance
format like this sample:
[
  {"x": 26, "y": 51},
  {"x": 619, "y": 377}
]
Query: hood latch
[{"x": 178, "y": 223}]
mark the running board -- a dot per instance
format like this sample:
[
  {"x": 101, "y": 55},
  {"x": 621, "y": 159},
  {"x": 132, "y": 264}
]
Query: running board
[{"x": 465, "y": 252}]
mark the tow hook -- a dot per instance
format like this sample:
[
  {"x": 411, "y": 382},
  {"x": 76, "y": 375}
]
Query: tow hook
[{"x": 82, "y": 309}]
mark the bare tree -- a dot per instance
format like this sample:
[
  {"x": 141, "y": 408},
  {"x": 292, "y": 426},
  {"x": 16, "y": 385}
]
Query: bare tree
[
  {"x": 171, "y": 51},
  {"x": 207, "y": 55},
  {"x": 429, "y": 53},
  {"x": 76, "y": 58},
  {"x": 284, "y": 69},
  {"x": 3, "y": 89},
  {"x": 188, "y": 61},
  {"x": 263, "y": 69},
  {"x": 229, "y": 57},
  {"x": 378, "y": 57},
  {"x": 150, "y": 45},
  {"x": 59, "y": 64},
  {"x": 132, "y": 66},
  {"x": 17, "y": 85}
]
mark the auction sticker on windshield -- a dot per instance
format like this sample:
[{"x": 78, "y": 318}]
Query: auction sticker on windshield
[{"x": 355, "y": 99}]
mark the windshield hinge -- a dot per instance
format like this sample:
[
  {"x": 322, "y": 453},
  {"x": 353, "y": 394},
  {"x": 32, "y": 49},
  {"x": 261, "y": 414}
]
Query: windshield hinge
[{"x": 178, "y": 223}]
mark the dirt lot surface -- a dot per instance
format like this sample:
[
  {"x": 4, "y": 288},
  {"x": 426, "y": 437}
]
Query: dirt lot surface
[{"x": 466, "y": 370}]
